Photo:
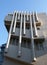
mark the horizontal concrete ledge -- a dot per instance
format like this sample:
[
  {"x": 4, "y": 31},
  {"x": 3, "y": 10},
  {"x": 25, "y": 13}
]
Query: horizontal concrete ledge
[{"x": 18, "y": 61}]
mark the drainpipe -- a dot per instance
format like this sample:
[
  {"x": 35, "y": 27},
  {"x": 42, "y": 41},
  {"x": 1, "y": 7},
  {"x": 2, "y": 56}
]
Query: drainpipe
[
  {"x": 20, "y": 37},
  {"x": 32, "y": 39},
  {"x": 35, "y": 29},
  {"x": 9, "y": 36},
  {"x": 15, "y": 23},
  {"x": 24, "y": 24}
]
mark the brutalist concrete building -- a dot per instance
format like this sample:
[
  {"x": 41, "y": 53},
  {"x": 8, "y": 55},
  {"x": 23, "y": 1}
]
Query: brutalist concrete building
[{"x": 27, "y": 38}]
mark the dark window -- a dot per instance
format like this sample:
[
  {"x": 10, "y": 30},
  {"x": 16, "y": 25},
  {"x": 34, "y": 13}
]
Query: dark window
[
  {"x": 18, "y": 25},
  {"x": 27, "y": 26},
  {"x": 39, "y": 46},
  {"x": 38, "y": 28},
  {"x": 11, "y": 41},
  {"x": 17, "y": 41},
  {"x": 26, "y": 43},
  {"x": 14, "y": 41}
]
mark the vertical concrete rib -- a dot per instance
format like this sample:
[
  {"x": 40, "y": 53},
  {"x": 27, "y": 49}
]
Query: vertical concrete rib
[
  {"x": 35, "y": 29},
  {"x": 15, "y": 23},
  {"x": 18, "y": 15},
  {"x": 27, "y": 16},
  {"x": 20, "y": 37},
  {"x": 24, "y": 24},
  {"x": 36, "y": 16},
  {"x": 32, "y": 40},
  {"x": 9, "y": 36}
]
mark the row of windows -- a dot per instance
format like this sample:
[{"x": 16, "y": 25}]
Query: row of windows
[
  {"x": 39, "y": 46},
  {"x": 24, "y": 43},
  {"x": 27, "y": 26},
  {"x": 27, "y": 44},
  {"x": 14, "y": 41}
]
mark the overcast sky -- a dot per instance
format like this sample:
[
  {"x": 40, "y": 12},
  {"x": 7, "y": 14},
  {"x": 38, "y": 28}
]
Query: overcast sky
[{"x": 8, "y": 6}]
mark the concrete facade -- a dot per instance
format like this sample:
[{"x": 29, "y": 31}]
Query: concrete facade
[{"x": 27, "y": 38}]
